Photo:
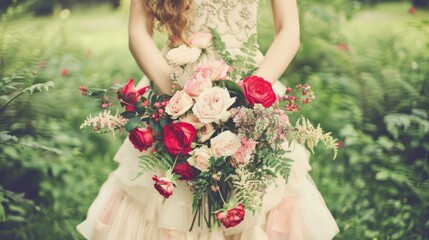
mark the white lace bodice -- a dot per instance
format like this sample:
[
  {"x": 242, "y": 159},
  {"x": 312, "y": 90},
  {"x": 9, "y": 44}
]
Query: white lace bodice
[{"x": 234, "y": 20}]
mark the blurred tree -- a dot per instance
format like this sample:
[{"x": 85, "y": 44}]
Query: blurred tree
[
  {"x": 46, "y": 7},
  {"x": 4, "y": 4},
  {"x": 421, "y": 3}
]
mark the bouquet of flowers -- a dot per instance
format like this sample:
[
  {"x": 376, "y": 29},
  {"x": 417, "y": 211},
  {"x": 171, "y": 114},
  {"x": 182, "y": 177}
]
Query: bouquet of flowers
[{"x": 226, "y": 133}]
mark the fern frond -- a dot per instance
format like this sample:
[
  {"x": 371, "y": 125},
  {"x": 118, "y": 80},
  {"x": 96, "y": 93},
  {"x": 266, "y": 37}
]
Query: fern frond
[
  {"x": 39, "y": 87},
  {"x": 155, "y": 161}
]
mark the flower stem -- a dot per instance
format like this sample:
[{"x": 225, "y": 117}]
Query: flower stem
[
  {"x": 175, "y": 161},
  {"x": 4, "y": 107},
  {"x": 221, "y": 196}
]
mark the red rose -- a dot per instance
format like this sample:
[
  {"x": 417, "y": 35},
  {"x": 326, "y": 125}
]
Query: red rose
[
  {"x": 164, "y": 186},
  {"x": 142, "y": 139},
  {"x": 178, "y": 137},
  {"x": 185, "y": 171},
  {"x": 232, "y": 217},
  {"x": 129, "y": 96},
  {"x": 258, "y": 90}
]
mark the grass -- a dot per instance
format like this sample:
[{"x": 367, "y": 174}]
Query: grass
[{"x": 386, "y": 19}]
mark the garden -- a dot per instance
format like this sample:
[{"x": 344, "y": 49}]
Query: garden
[{"x": 367, "y": 61}]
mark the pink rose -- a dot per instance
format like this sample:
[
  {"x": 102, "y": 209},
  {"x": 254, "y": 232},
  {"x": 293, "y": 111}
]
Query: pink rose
[
  {"x": 200, "y": 80},
  {"x": 179, "y": 104},
  {"x": 164, "y": 186},
  {"x": 142, "y": 139},
  {"x": 218, "y": 69},
  {"x": 232, "y": 217}
]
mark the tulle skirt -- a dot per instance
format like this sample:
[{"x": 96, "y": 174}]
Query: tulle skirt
[{"x": 130, "y": 208}]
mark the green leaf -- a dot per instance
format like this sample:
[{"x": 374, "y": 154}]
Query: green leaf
[
  {"x": 235, "y": 91},
  {"x": 163, "y": 121},
  {"x": 98, "y": 93},
  {"x": 155, "y": 125},
  {"x": 132, "y": 124},
  {"x": 140, "y": 109},
  {"x": 128, "y": 114},
  {"x": 420, "y": 113},
  {"x": 5, "y": 98}
]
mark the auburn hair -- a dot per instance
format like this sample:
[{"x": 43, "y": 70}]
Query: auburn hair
[{"x": 171, "y": 16}]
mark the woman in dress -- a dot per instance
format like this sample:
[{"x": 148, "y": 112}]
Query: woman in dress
[{"x": 129, "y": 208}]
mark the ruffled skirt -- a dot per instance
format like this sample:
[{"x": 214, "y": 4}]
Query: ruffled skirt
[{"x": 130, "y": 208}]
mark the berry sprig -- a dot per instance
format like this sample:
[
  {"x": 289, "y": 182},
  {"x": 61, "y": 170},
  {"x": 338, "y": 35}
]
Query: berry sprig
[
  {"x": 158, "y": 109},
  {"x": 106, "y": 101},
  {"x": 302, "y": 94}
]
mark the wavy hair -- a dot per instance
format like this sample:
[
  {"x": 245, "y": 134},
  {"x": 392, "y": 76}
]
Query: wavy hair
[{"x": 170, "y": 15}]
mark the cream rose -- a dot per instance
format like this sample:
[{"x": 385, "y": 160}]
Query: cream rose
[
  {"x": 183, "y": 55},
  {"x": 201, "y": 40},
  {"x": 179, "y": 104},
  {"x": 200, "y": 158},
  {"x": 192, "y": 119},
  {"x": 225, "y": 144},
  {"x": 205, "y": 132},
  {"x": 212, "y": 105},
  {"x": 200, "y": 80}
]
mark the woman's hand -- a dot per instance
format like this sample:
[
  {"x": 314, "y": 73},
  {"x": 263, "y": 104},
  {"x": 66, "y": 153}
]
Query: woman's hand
[
  {"x": 285, "y": 44},
  {"x": 144, "y": 49}
]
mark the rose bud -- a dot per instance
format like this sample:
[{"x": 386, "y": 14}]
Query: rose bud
[
  {"x": 164, "y": 186},
  {"x": 142, "y": 139},
  {"x": 185, "y": 171},
  {"x": 232, "y": 217},
  {"x": 129, "y": 96},
  {"x": 258, "y": 90},
  {"x": 178, "y": 137}
]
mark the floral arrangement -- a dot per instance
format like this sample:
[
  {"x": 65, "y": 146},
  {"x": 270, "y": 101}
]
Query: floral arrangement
[{"x": 225, "y": 131}]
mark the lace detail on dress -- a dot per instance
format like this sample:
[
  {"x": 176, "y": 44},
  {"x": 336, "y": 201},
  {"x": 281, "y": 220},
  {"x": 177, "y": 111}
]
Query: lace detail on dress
[{"x": 234, "y": 20}]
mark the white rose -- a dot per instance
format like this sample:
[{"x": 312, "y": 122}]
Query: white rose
[
  {"x": 212, "y": 105},
  {"x": 179, "y": 104},
  {"x": 200, "y": 158},
  {"x": 205, "y": 132},
  {"x": 183, "y": 55},
  {"x": 193, "y": 120},
  {"x": 225, "y": 144}
]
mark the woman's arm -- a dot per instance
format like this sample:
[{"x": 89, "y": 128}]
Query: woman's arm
[
  {"x": 144, "y": 49},
  {"x": 285, "y": 44}
]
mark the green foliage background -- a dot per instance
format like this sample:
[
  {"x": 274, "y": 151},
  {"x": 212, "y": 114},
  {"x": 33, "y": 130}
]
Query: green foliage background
[{"x": 368, "y": 66}]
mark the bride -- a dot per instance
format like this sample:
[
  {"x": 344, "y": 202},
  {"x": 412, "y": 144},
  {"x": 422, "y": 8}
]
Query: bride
[{"x": 129, "y": 208}]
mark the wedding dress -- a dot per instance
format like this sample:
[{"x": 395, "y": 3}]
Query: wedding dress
[{"x": 130, "y": 208}]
